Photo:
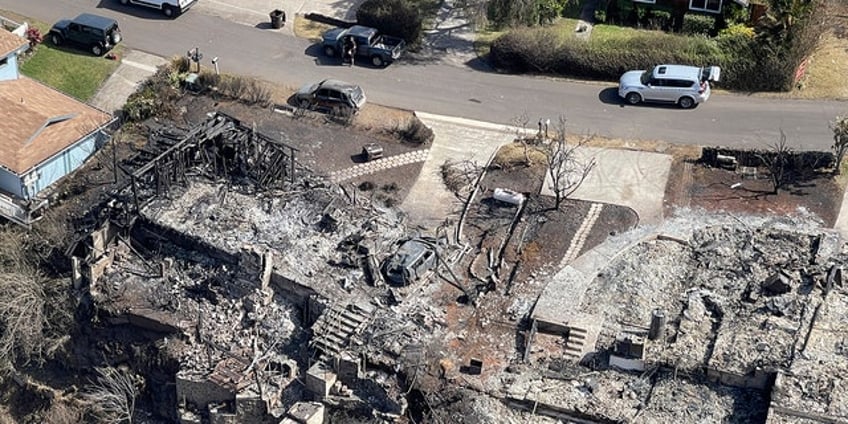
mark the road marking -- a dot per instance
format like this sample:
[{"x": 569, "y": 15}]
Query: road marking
[
  {"x": 491, "y": 126},
  {"x": 148, "y": 68}
]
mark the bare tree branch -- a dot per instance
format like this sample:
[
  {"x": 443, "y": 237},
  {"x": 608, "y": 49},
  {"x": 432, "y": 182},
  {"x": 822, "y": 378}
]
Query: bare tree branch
[
  {"x": 112, "y": 395},
  {"x": 565, "y": 166}
]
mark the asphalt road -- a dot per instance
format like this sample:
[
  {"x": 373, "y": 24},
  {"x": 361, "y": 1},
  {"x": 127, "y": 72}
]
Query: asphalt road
[{"x": 469, "y": 92}]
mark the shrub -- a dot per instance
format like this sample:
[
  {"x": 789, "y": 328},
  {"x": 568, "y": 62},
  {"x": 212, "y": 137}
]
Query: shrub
[
  {"x": 208, "y": 79},
  {"x": 414, "y": 131},
  {"x": 658, "y": 19},
  {"x": 155, "y": 97},
  {"x": 734, "y": 30},
  {"x": 733, "y": 13},
  {"x": 33, "y": 35},
  {"x": 698, "y": 24},
  {"x": 180, "y": 64},
  {"x": 256, "y": 93},
  {"x": 512, "y": 13},
  {"x": 140, "y": 105},
  {"x": 600, "y": 16},
  {"x": 400, "y": 18}
]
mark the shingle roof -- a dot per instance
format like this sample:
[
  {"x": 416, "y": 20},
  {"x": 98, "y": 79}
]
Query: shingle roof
[
  {"x": 36, "y": 122},
  {"x": 10, "y": 42}
]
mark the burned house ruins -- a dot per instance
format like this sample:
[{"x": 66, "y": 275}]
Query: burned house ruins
[
  {"x": 259, "y": 278},
  {"x": 279, "y": 296}
]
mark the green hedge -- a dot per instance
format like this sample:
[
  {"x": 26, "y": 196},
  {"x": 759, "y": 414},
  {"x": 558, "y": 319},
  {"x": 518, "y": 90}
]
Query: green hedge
[
  {"x": 748, "y": 63},
  {"x": 550, "y": 51},
  {"x": 698, "y": 24}
]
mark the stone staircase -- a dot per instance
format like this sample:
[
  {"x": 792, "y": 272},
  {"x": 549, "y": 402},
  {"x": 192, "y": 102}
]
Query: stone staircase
[
  {"x": 333, "y": 330},
  {"x": 575, "y": 344},
  {"x": 582, "y": 335}
]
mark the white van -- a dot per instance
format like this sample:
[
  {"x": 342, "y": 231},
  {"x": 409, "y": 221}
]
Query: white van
[
  {"x": 170, "y": 8},
  {"x": 685, "y": 85}
]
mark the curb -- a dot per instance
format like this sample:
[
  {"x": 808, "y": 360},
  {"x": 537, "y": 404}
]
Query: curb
[{"x": 483, "y": 125}]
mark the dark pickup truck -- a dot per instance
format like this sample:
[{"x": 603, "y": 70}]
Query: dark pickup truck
[{"x": 380, "y": 49}]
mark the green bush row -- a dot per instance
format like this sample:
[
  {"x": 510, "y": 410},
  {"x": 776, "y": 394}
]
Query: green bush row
[
  {"x": 748, "y": 63},
  {"x": 548, "y": 50}
]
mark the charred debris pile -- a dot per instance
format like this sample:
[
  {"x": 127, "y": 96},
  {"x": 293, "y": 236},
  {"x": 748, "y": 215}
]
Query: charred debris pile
[{"x": 263, "y": 281}]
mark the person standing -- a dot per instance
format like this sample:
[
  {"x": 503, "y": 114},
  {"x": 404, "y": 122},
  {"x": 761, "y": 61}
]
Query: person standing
[
  {"x": 349, "y": 47},
  {"x": 352, "y": 50}
]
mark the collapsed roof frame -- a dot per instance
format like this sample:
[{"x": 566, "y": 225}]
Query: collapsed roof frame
[{"x": 222, "y": 146}]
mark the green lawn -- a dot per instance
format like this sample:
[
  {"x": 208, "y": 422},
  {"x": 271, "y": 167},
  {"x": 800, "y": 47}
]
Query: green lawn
[
  {"x": 564, "y": 26},
  {"x": 75, "y": 72}
]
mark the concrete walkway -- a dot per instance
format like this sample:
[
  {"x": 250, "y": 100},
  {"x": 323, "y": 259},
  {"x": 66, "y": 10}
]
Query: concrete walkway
[
  {"x": 429, "y": 202},
  {"x": 135, "y": 67}
]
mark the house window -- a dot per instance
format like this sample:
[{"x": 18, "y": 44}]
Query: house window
[
  {"x": 705, "y": 5},
  {"x": 4, "y": 61},
  {"x": 646, "y": 1}
]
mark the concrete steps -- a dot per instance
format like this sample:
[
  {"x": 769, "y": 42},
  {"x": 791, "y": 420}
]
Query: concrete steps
[
  {"x": 333, "y": 330},
  {"x": 575, "y": 344},
  {"x": 582, "y": 335}
]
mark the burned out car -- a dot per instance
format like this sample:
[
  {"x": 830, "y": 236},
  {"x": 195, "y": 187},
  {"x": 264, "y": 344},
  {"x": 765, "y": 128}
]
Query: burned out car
[
  {"x": 412, "y": 261},
  {"x": 330, "y": 95}
]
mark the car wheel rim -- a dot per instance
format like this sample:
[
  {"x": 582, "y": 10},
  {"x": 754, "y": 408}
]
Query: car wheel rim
[
  {"x": 168, "y": 12},
  {"x": 96, "y": 50},
  {"x": 686, "y": 103},
  {"x": 633, "y": 98},
  {"x": 377, "y": 61}
]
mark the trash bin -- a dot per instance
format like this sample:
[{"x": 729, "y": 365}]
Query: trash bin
[{"x": 278, "y": 18}]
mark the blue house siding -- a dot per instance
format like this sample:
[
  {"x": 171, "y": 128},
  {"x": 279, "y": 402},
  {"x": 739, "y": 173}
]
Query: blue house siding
[
  {"x": 51, "y": 170},
  {"x": 9, "y": 69},
  {"x": 11, "y": 183}
]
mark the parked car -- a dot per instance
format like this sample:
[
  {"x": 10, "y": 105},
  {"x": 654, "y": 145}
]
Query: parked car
[
  {"x": 687, "y": 86},
  {"x": 170, "y": 8},
  {"x": 380, "y": 49},
  {"x": 330, "y": 94},
  {"x": 98, "y": 34}
]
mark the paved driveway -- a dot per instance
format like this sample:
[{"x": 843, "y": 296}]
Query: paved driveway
[{"x": 625, "y": 177}]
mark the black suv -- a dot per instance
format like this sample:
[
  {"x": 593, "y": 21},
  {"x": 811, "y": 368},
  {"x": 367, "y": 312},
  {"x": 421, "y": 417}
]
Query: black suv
[{"x": 98, "y": 34}]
